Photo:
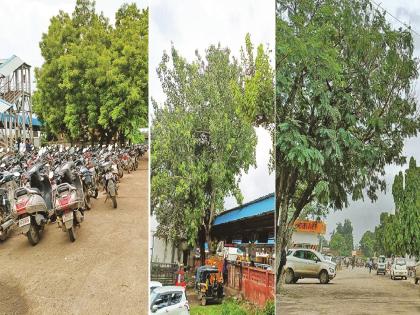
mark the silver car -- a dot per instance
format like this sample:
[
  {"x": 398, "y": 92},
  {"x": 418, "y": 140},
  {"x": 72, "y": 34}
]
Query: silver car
[
  {"x": 169, "y": 300},
  {"x": 307, "y": 263}
]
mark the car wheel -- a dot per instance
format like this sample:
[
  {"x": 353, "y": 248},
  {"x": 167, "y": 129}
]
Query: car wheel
[
  {"x": 289, "y": 276},
  {"x": 323, "y": 277},
  {"x": 295, "y": 279}
]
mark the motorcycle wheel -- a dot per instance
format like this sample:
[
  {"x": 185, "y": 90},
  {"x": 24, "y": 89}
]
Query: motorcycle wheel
[
  {"x": 114, "y": 202},
  {"x": 72, "y": 234},
  {"x": 120, "y": 173},
  {"x": 95, "y": 195},
  {"x": 33, "y": 234},
  {"x": 87, "y": 200}
]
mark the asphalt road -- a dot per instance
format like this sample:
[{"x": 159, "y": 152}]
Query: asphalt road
[
  {"x": 351, "y": 292},
  {"x": 105, "y": 271}
]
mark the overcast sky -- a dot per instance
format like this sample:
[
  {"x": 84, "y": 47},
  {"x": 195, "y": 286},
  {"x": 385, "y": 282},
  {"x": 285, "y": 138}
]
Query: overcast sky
[
  {"x": 365, "y": 215},
  {"x": 192, "y": 25},
  {"x": 24, "y": 21}
]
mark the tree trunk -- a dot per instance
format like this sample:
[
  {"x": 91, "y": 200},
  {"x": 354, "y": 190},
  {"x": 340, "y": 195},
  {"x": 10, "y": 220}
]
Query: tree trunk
[{"x": 202, "y": 241}]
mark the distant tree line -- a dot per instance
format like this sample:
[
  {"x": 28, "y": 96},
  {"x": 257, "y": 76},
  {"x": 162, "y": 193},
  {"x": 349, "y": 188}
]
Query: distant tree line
[{"x": 398, "y": 234}]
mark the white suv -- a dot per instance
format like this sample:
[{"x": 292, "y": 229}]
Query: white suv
[
  {"x": 307, "y": 263},
  {"x": 169, "y": 300}
]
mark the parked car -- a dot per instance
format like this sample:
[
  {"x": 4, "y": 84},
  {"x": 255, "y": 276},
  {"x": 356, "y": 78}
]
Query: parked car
[
  {"x": 417, "y": 273},
  {"x": 307, "y": 263},
  {"x": 399, "y": 269},
  {"x": 169, "y": 300},
  {"x": 154, "y": 284},
  {"x": 381, "y": 265}
]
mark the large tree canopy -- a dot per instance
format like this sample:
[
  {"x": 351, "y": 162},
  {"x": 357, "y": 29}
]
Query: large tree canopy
[
  {"x": 93, "y": 83},
  {"x": 344, "y": 103},
  {"x": 203, "y": 138}
]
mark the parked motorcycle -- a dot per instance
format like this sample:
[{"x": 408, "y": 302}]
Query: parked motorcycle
[
  {"x": 8, "y": 184},
  {"x": 70, "y": 199},
  {"x": 109, "y": 178}
]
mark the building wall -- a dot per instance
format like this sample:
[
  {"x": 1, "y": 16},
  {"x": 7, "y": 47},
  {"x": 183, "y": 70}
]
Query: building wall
[
  {"x": 164, "y": 251},
  {"x": 305, "y": 238}
]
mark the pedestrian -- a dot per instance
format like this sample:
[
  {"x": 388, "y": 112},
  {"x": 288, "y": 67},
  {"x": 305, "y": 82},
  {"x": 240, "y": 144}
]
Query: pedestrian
[
  {"x": 28, "y": 147},
  {"x": 370, "y": 266}
]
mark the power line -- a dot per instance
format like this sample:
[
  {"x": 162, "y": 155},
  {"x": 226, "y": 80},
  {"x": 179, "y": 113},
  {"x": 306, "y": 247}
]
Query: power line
[{"x": 397, "y": 19}]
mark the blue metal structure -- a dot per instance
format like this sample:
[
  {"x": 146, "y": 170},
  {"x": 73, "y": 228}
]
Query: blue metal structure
[{"x": 260, "y": 206}]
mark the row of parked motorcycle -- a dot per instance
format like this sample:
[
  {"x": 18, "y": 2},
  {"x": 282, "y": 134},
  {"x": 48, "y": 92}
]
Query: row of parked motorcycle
[{"x": 55, "y": 184}]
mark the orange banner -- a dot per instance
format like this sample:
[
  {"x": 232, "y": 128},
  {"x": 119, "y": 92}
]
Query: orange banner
[{"x": 310, "y": 226}]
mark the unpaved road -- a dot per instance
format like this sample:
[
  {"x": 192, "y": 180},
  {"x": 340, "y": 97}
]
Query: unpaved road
[
  {"x": 351, "y": 292},
  {"x": 105, "y": 271}
]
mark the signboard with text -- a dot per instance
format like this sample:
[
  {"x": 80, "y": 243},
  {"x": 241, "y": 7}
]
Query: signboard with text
[{"x": 310, "y": 226}]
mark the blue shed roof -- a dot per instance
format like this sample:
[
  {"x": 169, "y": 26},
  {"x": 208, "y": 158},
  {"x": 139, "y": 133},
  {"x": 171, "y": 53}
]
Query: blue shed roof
[
  {"x": 253, "y": 208},
  {"x": 35, "y": 121}
]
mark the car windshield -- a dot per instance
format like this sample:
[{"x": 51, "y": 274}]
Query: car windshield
[
  {"x": 152, "y": 296},
  {"x": 400, "y": 262},
  {"x": 381, "y": 259}
]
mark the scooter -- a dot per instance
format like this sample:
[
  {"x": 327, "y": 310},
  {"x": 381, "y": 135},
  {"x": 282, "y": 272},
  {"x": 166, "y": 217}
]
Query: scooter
[{"x": 33, "y": 204}]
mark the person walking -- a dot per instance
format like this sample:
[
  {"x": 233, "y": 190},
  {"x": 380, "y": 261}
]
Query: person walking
[
  {"x": 370, "y": 265},
  {"x": 28, "y": 147}
]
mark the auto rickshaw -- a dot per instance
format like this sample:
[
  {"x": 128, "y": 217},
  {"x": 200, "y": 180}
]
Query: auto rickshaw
[{"x": 209, "y": 284}]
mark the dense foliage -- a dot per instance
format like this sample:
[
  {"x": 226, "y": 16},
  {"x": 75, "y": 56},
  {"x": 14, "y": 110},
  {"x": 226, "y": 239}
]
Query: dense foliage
[
  {"x": 342, "y": 238},
  {"x": 344, "y": 104},
  {"x": 399, "y": 234},
  {"x": 93, "y": 85},
  {"x": 367, "y": 244},
  {"x": 203, "y": 137}
]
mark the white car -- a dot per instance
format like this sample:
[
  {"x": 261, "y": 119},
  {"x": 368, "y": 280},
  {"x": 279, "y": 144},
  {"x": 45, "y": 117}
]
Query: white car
[
  {"x": 399, "y": 269},
  {"x": 307, "y": 263},
  {"x": 170, "y": 300},
  {"x": 153, "y": 285}
]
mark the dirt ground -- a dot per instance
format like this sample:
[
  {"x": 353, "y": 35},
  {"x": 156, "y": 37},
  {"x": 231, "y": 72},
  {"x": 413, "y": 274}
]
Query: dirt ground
[
  {"x": 351, "y": 292},
  {"x": 105, "y": 271}
]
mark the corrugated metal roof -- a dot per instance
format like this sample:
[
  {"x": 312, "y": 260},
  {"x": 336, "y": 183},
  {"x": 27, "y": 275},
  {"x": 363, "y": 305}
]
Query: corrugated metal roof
[
  {"x": 35, "y": 121},
  {"x": 256, "y": 207},
  {"x": 10, "y": 65},
  {"x": 4, "y": 106}
]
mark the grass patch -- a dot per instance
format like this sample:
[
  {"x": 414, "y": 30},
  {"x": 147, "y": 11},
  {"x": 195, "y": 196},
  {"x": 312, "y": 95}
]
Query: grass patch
[{"x": 232, "y": 307}]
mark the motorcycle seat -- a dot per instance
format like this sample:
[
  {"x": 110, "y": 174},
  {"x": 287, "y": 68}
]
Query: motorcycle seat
[{"x": 34, "y": 190}]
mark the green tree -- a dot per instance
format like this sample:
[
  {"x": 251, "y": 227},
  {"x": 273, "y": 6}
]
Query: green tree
[
  {"x": 202, "y": 141},
  {"x": 367, "y": 244},
  {"x": 339, "y": 245},
  {"x": 346, "y": 230},
  {"x": 93, "y": 83},
  {"x": 344, "y": 104},
  {"x": 406, "y": 193}
]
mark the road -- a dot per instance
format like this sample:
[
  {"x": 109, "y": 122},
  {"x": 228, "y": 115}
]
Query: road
[
  {"x": 351, "y": 292},
  {"x": 105, "y": 271}
]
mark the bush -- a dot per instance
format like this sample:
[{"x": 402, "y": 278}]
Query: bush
[{"x": 269, "y": 308}]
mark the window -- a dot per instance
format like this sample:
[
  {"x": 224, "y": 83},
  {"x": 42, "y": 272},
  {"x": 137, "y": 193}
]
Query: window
[
  {"x": 162, "y": 300},
  {"x": 300, "y": 254},
  {"x": 176, "y": 298},
  {"x": 311, "y": 256}
]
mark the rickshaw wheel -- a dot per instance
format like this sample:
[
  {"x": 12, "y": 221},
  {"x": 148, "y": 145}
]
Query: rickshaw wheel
[{"x": 203, "y": 301}]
